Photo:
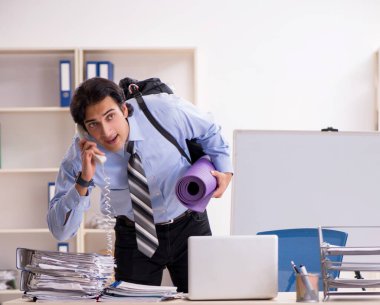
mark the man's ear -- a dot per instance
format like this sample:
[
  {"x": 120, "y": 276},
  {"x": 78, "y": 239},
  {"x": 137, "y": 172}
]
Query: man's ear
[{"x": 124, "y": 109}]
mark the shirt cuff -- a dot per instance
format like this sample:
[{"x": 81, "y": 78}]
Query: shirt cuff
[{"x": 77, "y": 202}]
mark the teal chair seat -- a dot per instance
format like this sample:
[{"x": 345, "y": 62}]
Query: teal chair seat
[{"x": 302, "y": 246}]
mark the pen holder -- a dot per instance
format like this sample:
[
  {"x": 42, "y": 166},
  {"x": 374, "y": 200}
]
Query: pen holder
[{"x": 307, "y": 288}]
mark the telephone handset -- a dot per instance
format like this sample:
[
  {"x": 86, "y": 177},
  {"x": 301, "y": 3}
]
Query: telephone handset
[{"x": 84, "y": 135}]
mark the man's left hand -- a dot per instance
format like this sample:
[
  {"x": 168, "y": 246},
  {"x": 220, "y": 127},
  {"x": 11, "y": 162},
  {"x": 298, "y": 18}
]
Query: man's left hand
[{"x": 223, "y": 180}]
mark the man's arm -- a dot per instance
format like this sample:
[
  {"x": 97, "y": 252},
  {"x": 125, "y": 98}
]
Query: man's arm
[
  {"x": 66, "y": 209},
  {"x": 200, "y": 126}
]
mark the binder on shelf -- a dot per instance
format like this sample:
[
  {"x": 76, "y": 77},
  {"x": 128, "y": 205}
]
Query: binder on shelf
[
  {"x": 63, "y": 247},
  {"x": 106, "y": 69},
  {"x": 65, "y": 82},
  {"x": 51, "y": 191},
  {"x": 91, "y": 69},
  {"x": 102, "y": 69}
]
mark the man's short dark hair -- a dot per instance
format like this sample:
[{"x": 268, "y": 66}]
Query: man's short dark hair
[{"x": 93, "y": 91}]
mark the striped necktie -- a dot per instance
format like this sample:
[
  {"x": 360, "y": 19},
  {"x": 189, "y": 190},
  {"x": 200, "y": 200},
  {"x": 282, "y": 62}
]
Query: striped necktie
[{"x": 146, "y": 235}]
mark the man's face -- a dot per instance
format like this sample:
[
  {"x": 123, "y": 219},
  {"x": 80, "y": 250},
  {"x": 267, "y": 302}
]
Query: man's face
[{"x": 107, "y": 123}]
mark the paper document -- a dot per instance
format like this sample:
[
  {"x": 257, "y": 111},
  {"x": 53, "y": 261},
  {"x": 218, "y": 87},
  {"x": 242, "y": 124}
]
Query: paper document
[
  {"x": 51, "y": 275},
  {"x": 129, "y": 291}
]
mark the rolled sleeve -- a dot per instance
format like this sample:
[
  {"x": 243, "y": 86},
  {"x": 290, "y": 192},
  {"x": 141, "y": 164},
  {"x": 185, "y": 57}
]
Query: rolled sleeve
[{"x": 222, "y": 163}]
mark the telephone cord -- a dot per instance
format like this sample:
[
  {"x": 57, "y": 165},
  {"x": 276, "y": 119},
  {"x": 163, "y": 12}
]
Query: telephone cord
[{"x": 108, "y": 212}]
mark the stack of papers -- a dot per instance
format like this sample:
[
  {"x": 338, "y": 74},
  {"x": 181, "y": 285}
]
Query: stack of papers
[
  {"x": 125, "y": 291},
  {"x": 50, "y": 275}
]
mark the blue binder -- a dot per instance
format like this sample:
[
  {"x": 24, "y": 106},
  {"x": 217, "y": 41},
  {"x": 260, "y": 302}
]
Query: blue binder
[
  {"x": 65, "y": 82},
  {"x": 63, "y": 247},
  {"x": 92, "y": 69},
  {"x": 51, "y": 191},
  {"x": 105, "y": 69},
  {"x": 102, "y": 69}
]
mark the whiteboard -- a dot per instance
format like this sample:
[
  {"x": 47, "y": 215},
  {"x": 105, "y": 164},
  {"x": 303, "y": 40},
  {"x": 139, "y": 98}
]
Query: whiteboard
[{"x": 295, "y": 179}]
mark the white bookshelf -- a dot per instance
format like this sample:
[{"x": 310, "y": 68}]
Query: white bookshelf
[{"x": 35, "y": 133}]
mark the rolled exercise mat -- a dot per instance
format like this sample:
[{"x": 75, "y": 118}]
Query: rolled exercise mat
[{"x": 197, "y": 185}]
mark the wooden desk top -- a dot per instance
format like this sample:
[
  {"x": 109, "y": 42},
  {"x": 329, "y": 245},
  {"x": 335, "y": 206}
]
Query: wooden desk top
[{"x": 283, "y": 298}]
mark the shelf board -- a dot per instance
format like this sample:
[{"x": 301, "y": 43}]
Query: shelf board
[
  {"x": 140, "y": 49},
  {"x": 19, "y": 231},
  {"x": 95, "y": 231},
  {"x": 28, "y": 170},
  {"x": 36, "y": 50},
  {"x": 34, "y": 109},
  {"x": 11, "y": 291}
]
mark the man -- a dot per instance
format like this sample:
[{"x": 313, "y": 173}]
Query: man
[{"x": 99, "y": 107}]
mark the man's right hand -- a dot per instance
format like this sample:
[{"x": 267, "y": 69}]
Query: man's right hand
[{"x": 88, "y": 151}]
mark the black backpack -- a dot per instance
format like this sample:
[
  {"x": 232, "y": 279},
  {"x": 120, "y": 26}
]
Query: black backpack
[{"x": 137, "y": 89}]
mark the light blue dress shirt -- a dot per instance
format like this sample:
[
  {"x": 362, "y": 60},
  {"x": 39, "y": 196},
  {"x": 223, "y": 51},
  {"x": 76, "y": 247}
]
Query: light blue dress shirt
[{"x": 162, "y": 162}]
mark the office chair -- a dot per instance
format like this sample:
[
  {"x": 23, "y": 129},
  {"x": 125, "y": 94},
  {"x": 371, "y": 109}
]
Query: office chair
[{"x": 302, "y": 247}]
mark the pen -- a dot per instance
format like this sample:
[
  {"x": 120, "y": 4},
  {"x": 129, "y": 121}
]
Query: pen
[
  {"x": 303, "y": 269},
  {"x": 294, "y": 267},
  {"x": 306, "y": 281}
]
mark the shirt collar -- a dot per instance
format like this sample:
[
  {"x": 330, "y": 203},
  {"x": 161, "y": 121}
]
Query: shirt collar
[{"x": 135, "y": 134}]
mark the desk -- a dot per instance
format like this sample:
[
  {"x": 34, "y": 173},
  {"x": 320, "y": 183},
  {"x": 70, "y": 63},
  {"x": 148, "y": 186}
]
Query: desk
[{"x": 283, "y": 298}]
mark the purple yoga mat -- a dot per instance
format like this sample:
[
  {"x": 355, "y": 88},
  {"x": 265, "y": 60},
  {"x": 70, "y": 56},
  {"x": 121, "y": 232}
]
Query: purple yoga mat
[{"x": 197, "y": 185}]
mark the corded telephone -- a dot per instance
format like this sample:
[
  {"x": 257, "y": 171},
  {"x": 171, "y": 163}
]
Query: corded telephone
[{"x": 84, "y": 135}]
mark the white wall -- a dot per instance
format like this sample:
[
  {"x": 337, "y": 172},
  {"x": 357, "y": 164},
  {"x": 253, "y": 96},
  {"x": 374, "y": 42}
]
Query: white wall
[{"x": 262, "y": 64}]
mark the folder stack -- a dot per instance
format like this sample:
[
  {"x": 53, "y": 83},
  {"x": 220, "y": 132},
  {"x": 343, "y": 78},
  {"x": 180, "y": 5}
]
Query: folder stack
[
  {"x": 51, "y": 275},
  {"x": 125, "y": 291}
]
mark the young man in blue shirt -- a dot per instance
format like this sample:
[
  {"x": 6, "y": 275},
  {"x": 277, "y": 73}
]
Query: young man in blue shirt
[{"x": 99, "y": 107}]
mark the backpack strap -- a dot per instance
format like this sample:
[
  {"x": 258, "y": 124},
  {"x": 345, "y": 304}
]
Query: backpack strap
[{"x": 134, "y": 89}]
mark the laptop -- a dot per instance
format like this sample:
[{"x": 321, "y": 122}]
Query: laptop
[{"x": 233, "y": 267}]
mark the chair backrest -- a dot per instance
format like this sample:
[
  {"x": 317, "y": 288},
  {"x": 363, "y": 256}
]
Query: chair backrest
[{"x": 302, "y": 246}]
